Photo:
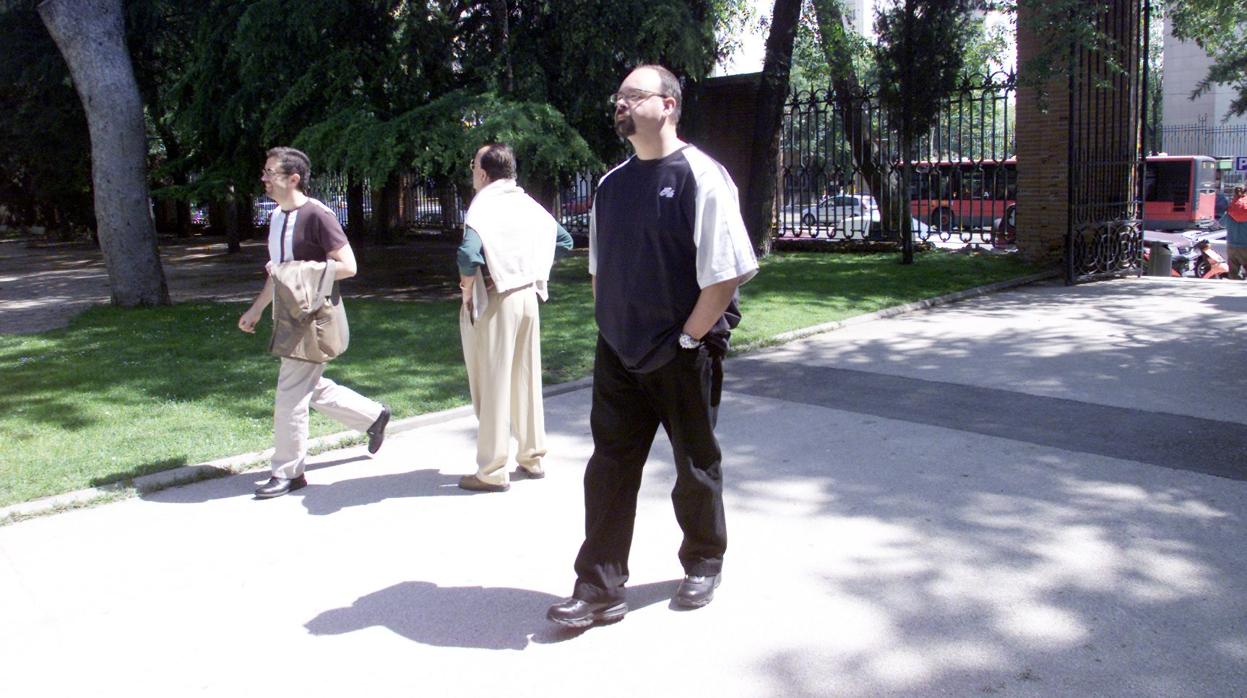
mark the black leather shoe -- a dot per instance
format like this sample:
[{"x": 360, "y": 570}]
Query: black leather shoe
[
  {"x": 575, "y": 613},
  {"x": 277, "y": 486},
  {"x": 695, "y": 592},
  {"x": 376, "y": 432}
]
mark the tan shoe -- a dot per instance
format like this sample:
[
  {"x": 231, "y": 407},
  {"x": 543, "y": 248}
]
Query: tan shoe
[
  {"x": 474, "y": 483},
  {"x": 532, "y": 472}
]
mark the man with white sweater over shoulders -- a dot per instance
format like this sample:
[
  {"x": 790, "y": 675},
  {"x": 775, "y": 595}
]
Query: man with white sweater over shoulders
[{"x": 509, "y": 245}]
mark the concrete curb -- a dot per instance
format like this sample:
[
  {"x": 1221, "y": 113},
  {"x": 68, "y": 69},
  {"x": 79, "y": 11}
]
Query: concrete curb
[{"x": 258, "y": 460}]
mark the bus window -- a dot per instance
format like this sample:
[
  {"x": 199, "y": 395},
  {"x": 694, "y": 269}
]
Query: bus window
[
  {"x": 1167, "y": 181},
  {"x": 1206, "y": 178}
]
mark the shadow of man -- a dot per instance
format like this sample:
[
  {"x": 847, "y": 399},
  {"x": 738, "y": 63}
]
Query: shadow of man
[{"x": 494, "y": 618}]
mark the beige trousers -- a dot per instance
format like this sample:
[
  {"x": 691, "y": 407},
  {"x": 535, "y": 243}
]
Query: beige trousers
[
  {"x": 301, "y": 384},
  {"x": 502, "y": 351}
]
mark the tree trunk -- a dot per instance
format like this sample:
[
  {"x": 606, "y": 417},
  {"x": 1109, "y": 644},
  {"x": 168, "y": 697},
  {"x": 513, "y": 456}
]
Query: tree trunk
[
  {"x": 227, "y": 214},
  {"x": 182, "y": 207},
  {"x": 502, "y": 39},
  {"x": 768, "y": 122},
  {"x": 385, "y": 210},
  {"x": 355, "y": 223},
  {"x": 90, "y": 34},
  {"x": 847, "y": 92},
  {"x": 244, "y": 213}
]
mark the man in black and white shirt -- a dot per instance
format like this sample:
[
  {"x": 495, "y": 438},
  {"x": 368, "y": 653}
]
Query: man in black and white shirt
[{"x": 667, "y": 250}]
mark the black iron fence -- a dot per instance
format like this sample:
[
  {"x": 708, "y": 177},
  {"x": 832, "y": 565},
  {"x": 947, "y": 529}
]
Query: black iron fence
[
  {"x": 842, "y": 176},
  {"x": 1106, "y": 114},
  {"x": 424, "y": 205}
]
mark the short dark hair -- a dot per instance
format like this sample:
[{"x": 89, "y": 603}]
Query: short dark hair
[
  {"x": 670, "y": 87},
  {"x": 498, "y": 161},
  {"x": 292, "y": 162}
]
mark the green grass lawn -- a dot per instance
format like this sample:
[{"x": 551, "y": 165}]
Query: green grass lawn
[{"x": 121, "y": 393}]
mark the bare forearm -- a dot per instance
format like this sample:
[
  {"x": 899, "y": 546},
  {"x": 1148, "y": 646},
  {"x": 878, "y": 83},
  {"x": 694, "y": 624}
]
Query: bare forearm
[
  {"x": 345, "y": 258},
  {"x": 711, "y": 303},
  {"x": 266, "y": 296}
]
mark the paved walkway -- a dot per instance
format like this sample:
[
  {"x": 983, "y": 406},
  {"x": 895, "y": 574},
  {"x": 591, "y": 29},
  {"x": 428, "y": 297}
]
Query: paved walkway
[{"x": 1035, "y": 493}]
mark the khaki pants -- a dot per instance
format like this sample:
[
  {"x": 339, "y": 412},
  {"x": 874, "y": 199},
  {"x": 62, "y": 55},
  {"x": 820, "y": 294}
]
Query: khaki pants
[
  {"x": 502, "y": 351},
  {"x": 301, "y": 384},
  {"x": 1237, "y": 260}
]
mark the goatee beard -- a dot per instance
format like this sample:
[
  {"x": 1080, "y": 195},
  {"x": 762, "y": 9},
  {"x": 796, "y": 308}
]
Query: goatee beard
[{"x": 625, "y": 126}]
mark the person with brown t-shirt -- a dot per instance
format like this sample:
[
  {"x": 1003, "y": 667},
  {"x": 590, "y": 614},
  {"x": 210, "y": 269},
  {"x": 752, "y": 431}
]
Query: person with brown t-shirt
[{"x": 304, "y": 229}]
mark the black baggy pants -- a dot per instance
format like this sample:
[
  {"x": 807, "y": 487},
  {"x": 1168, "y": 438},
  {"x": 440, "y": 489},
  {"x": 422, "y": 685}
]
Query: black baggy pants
[{"x": 682, "y": 396}]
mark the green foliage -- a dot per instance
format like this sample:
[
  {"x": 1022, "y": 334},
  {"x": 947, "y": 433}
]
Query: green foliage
[
  {"x": 436, "y": 139},
  {"x": 45, "y": 164},
  {"x": 810, "y": 68},
  {"x": 368, "y": 87},
  {"x": 920, "y": 56}
]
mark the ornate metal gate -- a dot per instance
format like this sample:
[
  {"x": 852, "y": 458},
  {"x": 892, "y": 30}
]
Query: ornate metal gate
[{"x": 1106, "y": 115}]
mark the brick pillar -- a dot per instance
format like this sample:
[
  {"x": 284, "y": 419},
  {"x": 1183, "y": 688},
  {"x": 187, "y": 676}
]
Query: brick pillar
[
  {"x": 1104, "y": 140},
  {"x": 1043, "y": 156}
]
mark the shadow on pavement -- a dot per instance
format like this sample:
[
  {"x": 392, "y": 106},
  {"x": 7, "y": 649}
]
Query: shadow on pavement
[
  {"x": 334, "y": 497},
  {"x": 243, "y": 484},
  {"x": 494, "y": 618},
  {"x": 1129, "y": 434}
]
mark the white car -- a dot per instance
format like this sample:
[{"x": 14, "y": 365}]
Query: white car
[{"x": 834, "y": 209}]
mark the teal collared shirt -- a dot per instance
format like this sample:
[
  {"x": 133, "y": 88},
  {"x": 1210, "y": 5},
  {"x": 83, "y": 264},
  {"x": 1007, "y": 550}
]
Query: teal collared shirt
[{"x": 471, "y": 252}]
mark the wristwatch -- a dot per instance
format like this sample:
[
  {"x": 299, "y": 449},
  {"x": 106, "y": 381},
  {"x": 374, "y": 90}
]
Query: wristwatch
[{"x": 687, "y": 341}]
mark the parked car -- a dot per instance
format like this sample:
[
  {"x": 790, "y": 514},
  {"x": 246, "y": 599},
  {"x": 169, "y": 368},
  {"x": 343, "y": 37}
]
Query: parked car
[
  {"x": 832, "y": 210},
  {"x": 429, "y": 214}
]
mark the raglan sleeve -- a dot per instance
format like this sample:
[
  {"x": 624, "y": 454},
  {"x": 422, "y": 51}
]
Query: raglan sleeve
[
  {"x": 724, "y": 251},
  {"x": 329, "y": 231}
]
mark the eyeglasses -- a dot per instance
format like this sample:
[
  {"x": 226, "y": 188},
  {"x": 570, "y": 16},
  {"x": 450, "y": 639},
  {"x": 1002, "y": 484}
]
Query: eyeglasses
[
  {"x": 266, "y": 172},
  {"x": 632, "y": 97}
]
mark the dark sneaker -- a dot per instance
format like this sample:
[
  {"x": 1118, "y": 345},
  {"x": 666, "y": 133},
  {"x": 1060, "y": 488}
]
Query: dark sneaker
[
  {"x": 575, "y": 613},
  {"x": 696, "y": 591}
]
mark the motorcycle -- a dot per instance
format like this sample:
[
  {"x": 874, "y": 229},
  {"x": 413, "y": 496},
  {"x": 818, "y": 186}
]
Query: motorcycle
[{"x": 1209, "y": 264}]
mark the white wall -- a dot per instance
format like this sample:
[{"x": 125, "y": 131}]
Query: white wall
[{"x": 1185, "y": 65}]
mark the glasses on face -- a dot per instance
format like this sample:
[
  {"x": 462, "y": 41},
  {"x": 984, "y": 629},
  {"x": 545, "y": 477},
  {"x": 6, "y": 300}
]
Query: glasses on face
[
  {"x": 266, "y": 172},
  {"x": 632, "y": 97}
]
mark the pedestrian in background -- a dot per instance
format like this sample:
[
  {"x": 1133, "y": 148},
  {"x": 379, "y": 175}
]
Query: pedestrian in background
[
  {"x": 302, "y": 229},
  {"x": 1235, "y": 222},
  {"x": 509, "y": 244}
]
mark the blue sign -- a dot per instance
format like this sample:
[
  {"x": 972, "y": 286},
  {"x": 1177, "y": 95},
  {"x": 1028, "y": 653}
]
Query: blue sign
[{"x": 1240, "y": 163}]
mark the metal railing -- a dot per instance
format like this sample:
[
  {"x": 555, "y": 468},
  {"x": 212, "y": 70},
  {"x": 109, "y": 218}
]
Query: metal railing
[{"x": 962, "y": 184}]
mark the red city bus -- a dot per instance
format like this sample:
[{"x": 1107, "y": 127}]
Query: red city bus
[
  {"x": 1179, "y": 192},
  {"x": 965, "y": 195}
]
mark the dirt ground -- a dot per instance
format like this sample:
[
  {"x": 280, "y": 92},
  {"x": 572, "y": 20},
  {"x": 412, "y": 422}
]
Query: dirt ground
[{"x": 43, "y": 286}]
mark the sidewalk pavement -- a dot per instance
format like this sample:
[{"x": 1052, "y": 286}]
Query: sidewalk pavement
[{"x": 1034, "y": 493}]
